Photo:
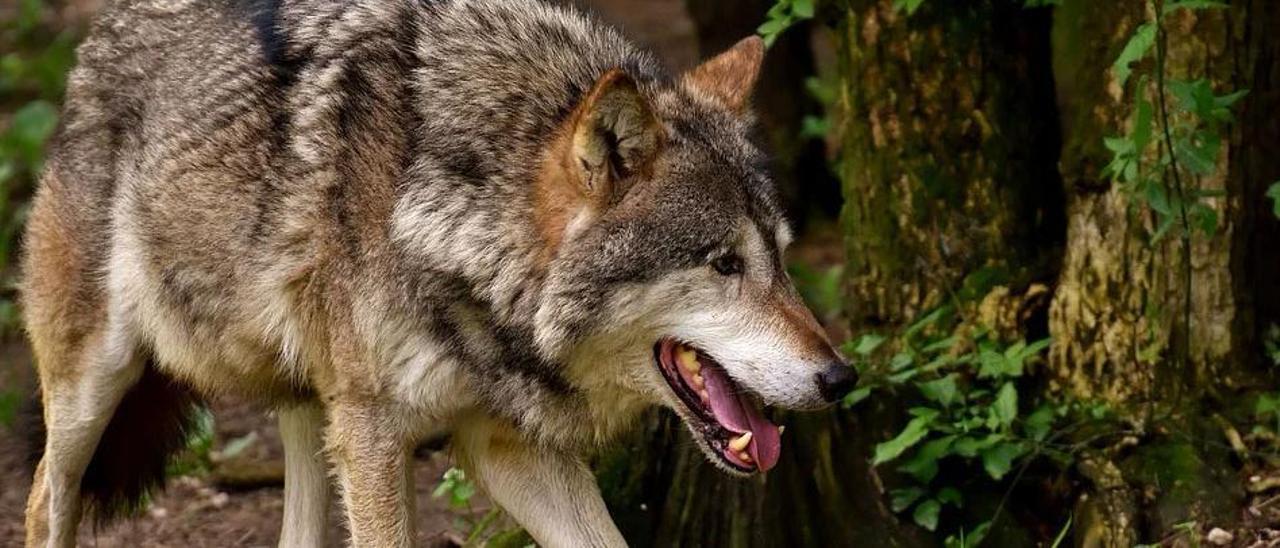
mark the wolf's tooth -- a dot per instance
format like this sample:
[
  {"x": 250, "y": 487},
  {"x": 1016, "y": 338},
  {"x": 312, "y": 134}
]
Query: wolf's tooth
[
  {"x": 688, "y": 359},
  {"x": 698, "y": 381},
  {"x": 744, "y": 456},
  {"x": 704, "y": 395},
  {"x": 781, "y": 429},
  {"x": 739, "y": 443}
]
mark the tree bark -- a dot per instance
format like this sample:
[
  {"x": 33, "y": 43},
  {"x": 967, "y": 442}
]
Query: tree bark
[
  {"x": 950, "y": 147},
  {"x": 1119, "y": 315}
]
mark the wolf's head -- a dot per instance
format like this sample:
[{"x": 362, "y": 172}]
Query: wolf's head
[{"x": 667, "y": 276}]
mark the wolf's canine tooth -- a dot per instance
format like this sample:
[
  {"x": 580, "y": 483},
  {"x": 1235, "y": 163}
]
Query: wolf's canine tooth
[
  {"x": 688, "y": 359},
  {"x": 739, "y": 443}
]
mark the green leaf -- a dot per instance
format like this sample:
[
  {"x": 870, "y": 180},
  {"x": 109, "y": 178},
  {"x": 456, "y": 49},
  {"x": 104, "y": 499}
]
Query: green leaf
[
  {"x": 942, "y": 390},
  {"x": 923, "y": 466},
  {"x": 915, "y": 431},
  {"x": 927, "y": 320},
  {"x": 910, "y": 6},
  {"x": 1039, "y": 423},
  {"x": 1135, "y": 49},
  {"x": 868, "y": 343},
  {"x": 926, "y": 514},
  {"x": 992, "y": 364},
  {"x": 774, "y": 26},
  {"x": 1199, "y": 153},
  {"x": 815, "y": 127},
  {"x": 1267, "y": 403},
  {"x": 1006, "y": 404},
  {"x": 901, "y": 499},
  {"x": 979, "y": 533},
  {"x": 952, "y": 496},
  {"x": 802, "y": 8},
  {"x": 944, "y": 344},
  {"x": 900, "y": 361},
  {"x": 969, "y": 447},
  {"x": 856, "y": 396},
  {"x": 1205, "y": 218},
  {"x": 1156, "y": 198},
  {"x": 1273, "y": 192},
  {"x": 1037, "y": 347},
  {"x": 998, "y": 459}
]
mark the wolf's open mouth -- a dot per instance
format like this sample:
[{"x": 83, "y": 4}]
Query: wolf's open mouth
[{"x": 731, "y": 423}]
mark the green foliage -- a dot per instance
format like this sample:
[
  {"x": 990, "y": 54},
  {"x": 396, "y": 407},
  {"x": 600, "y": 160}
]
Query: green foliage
[
  {"x": 1173, "y": 145},
  {"x": 460, "y": 491},
  {"x": 967, "y": 410},
  {"x": 197, "y": 458},
  {"x": 9, "y": 402},
  {"x": 1273, "y": 192},
  {"x": 820, "y": 289},
  {"x": 782, "y": 16},
  {"x": 455, "y": 485},
  {"x": 33, "y": 68}
]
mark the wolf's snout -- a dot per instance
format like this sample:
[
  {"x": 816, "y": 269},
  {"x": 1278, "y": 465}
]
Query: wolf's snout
[{"x": 837, "y": 380}]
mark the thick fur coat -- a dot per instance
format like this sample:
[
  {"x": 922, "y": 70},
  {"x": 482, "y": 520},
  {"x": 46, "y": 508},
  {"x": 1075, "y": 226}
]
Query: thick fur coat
[{"x": 392, "y": 218}]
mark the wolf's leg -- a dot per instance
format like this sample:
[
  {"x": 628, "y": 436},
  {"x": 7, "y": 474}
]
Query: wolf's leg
[
  {"x": 81, "y": 392},
  {"x": 370, "y": 457},
  {"x": 306, "y": 484},
  {"x": 553, "y": 495}
]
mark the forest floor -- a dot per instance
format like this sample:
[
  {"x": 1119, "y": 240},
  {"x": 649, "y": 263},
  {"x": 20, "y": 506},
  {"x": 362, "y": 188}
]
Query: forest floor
[{"x": 218, "y": 508}]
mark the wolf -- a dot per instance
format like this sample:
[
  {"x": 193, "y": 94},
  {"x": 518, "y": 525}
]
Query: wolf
[{"x": 387, "y": 220}]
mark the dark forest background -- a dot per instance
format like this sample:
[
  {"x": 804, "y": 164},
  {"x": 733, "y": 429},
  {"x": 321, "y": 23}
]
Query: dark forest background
[{"x": 1045, "y": 230}]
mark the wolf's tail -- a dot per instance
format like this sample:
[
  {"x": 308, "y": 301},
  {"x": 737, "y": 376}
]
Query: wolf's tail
[{"x": 152, "y": 422}]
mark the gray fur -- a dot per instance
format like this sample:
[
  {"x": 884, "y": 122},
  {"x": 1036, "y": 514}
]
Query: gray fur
[{"x": 321, "y": 199}]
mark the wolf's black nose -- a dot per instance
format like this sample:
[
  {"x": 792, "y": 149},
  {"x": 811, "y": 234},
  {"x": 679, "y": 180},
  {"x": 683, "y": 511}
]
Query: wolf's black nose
[{"x": 838, "y": 379}]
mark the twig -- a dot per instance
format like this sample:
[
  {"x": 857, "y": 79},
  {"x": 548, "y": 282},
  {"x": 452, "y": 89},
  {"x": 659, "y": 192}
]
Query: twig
[{"x": 1161, "y": 51}]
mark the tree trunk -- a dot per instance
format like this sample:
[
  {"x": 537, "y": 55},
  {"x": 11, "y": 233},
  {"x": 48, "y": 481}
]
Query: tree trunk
[
  {"x": 1119, "y": 318},
  {"x": 799, "y": 162}
]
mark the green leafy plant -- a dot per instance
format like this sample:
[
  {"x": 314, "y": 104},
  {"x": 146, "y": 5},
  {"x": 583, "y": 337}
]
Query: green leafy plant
[
  {"x": 968, "y": 408},
  {"x": 9, "y": 401},
  {"x": 782, "y": 16},
  {"x": 820, "y": 288},
  {"x": 197, "y": 457},
  {"x": 33, "y": 68},
  {"x": 1273, "y": 192},
  {"x": 459, "y": 491}
]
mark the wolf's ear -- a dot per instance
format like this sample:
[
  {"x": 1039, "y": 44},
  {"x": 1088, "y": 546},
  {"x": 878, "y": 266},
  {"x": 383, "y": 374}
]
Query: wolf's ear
[
  {"x": 731, "y": 76},
  {"x": 615, "y": 135}
]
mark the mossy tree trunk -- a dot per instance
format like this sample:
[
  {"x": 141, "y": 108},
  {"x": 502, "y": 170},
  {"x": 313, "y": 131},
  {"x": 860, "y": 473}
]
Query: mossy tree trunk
[{"x": 1123, "y": 334}]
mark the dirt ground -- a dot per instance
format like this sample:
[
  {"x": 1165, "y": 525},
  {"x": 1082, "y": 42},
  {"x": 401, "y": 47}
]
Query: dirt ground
[{"x": 208, "y": 510}]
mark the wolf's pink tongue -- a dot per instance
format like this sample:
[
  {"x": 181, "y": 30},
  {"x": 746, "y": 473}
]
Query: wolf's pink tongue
[{"x": 736, "y": 413}]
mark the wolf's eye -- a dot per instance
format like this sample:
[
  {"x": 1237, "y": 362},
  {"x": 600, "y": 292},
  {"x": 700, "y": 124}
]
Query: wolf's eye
[{"x": 727, "y": 265}]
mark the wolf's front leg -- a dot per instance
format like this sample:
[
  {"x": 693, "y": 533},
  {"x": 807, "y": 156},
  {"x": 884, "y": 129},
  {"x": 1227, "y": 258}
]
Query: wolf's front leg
[
  {"x": 370, "y": 456},
  {"x": 552, "y": 494}
]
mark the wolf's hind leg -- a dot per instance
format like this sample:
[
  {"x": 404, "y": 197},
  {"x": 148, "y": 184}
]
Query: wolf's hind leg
[
  {"x": 80, "y": 398},
  {"x": 306, "y": 484},
  {"x": 371, "y": 456}
]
